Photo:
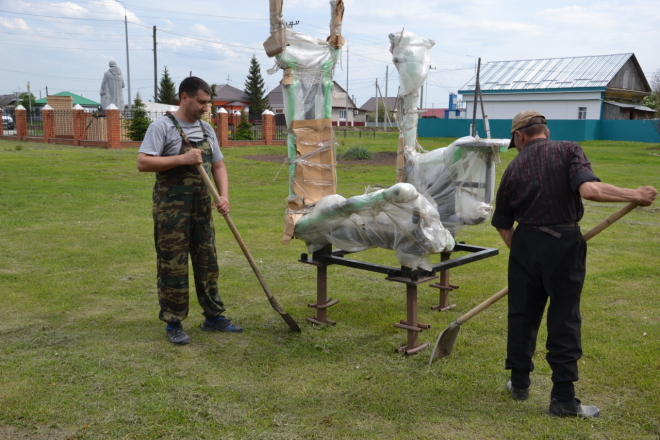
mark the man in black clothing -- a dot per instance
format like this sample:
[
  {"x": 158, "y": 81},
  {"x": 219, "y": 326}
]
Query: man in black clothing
[{"x": 542, "y": 190}]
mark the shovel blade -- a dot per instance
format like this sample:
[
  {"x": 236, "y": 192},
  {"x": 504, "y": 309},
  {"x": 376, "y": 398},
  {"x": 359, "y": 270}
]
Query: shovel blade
[
  {"x": 445, "y": 342},
  {"x": 289, "y": 320}
]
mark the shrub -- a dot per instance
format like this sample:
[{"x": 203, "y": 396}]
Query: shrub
[
  {"x": 138, "y": 124},
  {"x": 244, "y": 129},
  {"x": 357, "y": 152}
]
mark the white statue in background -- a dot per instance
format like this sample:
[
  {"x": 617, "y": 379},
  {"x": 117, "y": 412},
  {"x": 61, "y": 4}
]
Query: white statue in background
[{"x": 111, "y": 87}]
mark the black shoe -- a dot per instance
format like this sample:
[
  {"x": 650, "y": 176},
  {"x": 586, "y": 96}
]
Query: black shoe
[
  {"x": 517, "y": 393},
  {"x": 220, "y": 324},
  {"x": 176, "y": 334},
  {"x": 573, "y": 409}
]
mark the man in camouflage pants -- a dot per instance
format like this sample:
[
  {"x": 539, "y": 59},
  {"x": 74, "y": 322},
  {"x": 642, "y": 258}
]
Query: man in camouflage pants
[{"x": 182, "y": 209}]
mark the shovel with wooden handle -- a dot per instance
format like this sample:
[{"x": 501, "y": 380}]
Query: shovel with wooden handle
[
  {"x": 273, "y": 302},
  {"x": 447, "y": 338}
]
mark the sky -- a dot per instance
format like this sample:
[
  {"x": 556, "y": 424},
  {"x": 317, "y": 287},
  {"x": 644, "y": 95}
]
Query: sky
[{"x": 66, "y": 45}]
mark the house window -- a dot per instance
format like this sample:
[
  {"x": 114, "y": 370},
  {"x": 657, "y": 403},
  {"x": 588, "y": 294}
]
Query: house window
[
  {"x": 582, "y": 113},
  {"x": 342, "y": 114}
]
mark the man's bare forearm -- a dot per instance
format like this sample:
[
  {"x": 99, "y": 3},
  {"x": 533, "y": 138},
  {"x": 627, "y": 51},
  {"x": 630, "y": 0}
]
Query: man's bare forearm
[
  {"x": 507, "y": 235},
  {"x": 147, "y": 163},
  {"x": 222, "y": 183},
  {"x": 604, "y": 192}
]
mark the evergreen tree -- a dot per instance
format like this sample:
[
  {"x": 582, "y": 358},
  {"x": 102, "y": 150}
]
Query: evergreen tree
[
  {"x": 138, "y": 124},
  {"x": 255, "y": 89},
  {"x": 213, "y": 95},
  {"x": 166, "y": 90},
  {"x": 244, "y": 129}
]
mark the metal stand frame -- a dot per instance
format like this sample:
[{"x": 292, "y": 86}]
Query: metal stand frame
[
  {"x": 411, "y": 278},
  {"x": 444, "y": 286}
]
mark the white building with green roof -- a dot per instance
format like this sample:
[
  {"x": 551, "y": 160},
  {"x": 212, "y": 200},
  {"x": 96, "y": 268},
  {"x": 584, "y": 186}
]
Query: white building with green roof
[{"x": 77, "y": 99}]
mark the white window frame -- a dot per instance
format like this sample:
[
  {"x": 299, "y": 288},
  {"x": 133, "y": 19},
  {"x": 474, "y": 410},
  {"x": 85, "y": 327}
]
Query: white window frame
[
  {"x": 342, "y": 114},
  {"x": 582, "y": 113}
]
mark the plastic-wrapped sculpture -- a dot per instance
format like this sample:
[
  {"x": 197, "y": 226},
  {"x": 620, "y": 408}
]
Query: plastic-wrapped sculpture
[{"x": 431, "y": 186}]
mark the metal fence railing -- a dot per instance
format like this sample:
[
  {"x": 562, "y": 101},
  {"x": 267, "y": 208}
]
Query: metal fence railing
[
  {"x": 343, "y": 133},
  {"x": 230, "y": 131},
  {"x": 257, "y": 131},
  {"x": 280, "y": 132},
  {"x": 134, "y": 123},
  {"x": 35, "y": 123}
]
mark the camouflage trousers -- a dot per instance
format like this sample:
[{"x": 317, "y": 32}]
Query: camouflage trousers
[{"x": 183, "y": 228}]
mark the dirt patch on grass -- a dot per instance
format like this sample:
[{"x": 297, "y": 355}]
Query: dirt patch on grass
[{"x": 380, "y": 158}]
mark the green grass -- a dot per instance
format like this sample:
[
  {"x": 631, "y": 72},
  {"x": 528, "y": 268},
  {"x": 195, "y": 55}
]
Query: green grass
[{"x": 83, "y": 355}]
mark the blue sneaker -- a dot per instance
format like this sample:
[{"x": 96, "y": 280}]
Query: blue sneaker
[
  {"x": 220, "y": 324},
  {"x": 176, "y": 334}
]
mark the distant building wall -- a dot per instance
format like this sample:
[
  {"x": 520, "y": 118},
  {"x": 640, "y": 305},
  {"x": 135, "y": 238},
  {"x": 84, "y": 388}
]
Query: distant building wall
[
  {"x": 570, "y": 130},
  {"x": 553, "y": 105}
]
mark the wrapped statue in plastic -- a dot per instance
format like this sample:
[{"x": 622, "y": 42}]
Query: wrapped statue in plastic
[
  {"x": 405, "y": 217},
  {"x": 459, "y": 178}
]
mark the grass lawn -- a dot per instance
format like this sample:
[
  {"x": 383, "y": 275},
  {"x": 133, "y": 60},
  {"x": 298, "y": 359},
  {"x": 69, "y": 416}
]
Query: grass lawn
[{"x": 84, "y": 356}]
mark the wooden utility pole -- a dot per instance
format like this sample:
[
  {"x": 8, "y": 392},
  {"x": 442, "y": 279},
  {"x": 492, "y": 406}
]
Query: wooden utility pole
[
  {"x": 421, "y": 98},
  {"x": 347, "y": 83},
  {"x": 376, "y": 95},
  {"x": 476, "y": 94},
  {"x": 387, "y": 69},
  {"x": 155, "y": 69}
]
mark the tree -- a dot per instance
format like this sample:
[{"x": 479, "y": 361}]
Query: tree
[
  {"x": 381, "y": 113},
  {"x": 26, "y": 99},
  {"x": 138, "y": 124},
  {"x": 213, "y": 95},
  {"x": 244, "y": 129},
  {"x": 166, "y": 90},
  {"x": 255, "y": 89},
  {"x": 653, "y": 101}
]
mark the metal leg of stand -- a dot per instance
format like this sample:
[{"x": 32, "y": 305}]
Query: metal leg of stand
[
  {"x": 322, "y": 300},
  {"x": 411, "y": 325},
  {"x": 444, "y": 286}
]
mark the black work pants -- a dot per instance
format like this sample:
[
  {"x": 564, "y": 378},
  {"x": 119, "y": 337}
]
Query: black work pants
[{"x": 542, "y": 266}]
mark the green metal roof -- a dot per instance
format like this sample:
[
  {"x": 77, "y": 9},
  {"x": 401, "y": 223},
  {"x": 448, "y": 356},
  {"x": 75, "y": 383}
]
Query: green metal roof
[{"x": 77, "y": 99}]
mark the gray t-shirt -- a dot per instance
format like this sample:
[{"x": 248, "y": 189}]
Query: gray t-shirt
[{"x": 163, "y": 139}]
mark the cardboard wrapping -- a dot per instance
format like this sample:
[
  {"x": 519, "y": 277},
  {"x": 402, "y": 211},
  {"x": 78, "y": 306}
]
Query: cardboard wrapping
[
  {"x": 278, "y": 40},
  {"x": 288, "y": 77},
  {"x": 315, "y": 176},
  {"x": 337, "y": 41},
  {"x": 294, "y": 211},
  {"x": 276, "y": 43}
]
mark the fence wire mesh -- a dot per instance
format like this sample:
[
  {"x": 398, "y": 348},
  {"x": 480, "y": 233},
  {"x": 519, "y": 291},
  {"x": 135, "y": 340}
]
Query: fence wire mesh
[
  {"x": 35, "y": 123},
  {"x": 134, "y": 123},
  {"x": 63, "y": 124}
]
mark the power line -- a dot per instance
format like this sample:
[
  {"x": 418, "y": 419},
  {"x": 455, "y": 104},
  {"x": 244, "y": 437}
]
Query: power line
[
  {"x": 61, "y": 47},
  {"x": 53, "y": 16},
  {"x": 156, "y": 10}
]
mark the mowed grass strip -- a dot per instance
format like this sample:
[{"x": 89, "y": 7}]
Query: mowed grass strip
[{"x": 83, "y": 355}]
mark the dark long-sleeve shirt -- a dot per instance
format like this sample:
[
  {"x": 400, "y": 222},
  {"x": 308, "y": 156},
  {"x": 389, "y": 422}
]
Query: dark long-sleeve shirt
[{"x": 540, "y": 186}]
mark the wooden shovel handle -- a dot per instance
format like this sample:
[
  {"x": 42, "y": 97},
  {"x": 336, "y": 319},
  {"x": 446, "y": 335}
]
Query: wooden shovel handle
[
  {"x": 590, "y": 234},
  {"x": 609, "y": 220},
  {"x": 239, "y": 239}
]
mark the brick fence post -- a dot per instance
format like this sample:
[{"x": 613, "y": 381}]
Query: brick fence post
[
  {"x": 267, "y": 127},
  {"x": 48, "y": 118},
  {"x": 78, "y": 119},
  {"x": 113, "y": 126},
  {"x": 21, "y": 123},
  {"x": 223, "y": 128},
  {"x": 1, "y": 125}
]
